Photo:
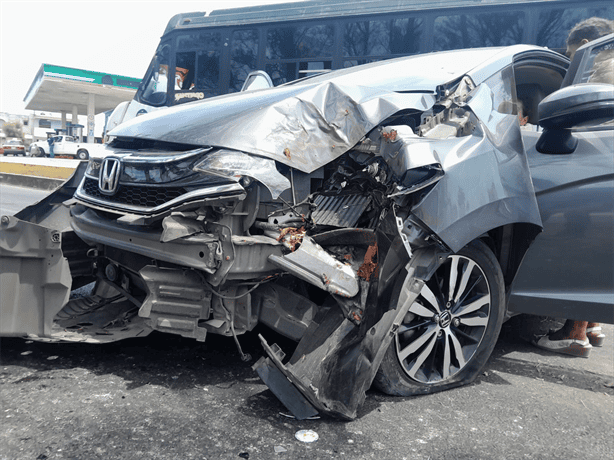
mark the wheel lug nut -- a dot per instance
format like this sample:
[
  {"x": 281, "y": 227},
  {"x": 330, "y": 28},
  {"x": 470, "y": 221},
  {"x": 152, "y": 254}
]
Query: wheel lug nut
[{"x": 456, "y": 322}]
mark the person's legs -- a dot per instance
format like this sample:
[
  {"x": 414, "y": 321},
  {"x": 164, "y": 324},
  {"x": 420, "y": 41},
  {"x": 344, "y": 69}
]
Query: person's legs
[
  {"x": 594, "y": 335},
  {"x": 571, "y": 339}
]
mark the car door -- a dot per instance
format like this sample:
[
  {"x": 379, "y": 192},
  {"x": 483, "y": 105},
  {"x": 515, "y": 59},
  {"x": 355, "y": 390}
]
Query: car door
[
  {"x": 569, "y": 270},
  {"x": 59, "y": 146}
]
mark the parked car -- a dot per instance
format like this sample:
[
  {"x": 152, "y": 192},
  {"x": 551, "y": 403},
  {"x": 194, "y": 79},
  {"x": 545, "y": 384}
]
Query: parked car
[
  {"x": 13, "y": 147},
  {"x": 65, "y": 146},
  {"x": 377, "y": 215}
]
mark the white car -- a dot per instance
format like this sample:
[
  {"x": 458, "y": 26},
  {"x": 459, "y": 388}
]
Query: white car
[
  {"x": 63, "y": 145},
  {"x": 13, "y": 147}
]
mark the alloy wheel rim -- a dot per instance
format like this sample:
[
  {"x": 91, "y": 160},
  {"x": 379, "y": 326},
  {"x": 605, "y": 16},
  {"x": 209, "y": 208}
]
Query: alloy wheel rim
[{"x": 445, "y": 326}]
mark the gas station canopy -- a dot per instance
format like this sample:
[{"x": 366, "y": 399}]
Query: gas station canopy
[{"x": 64, "y": 89}]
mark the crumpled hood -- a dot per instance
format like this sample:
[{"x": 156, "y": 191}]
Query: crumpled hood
[
  {"x": 304, "y": 126},
  {"x": 307, "y": 124}
]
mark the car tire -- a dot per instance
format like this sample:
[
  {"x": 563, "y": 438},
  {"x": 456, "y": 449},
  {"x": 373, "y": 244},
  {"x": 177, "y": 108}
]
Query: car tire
[
  {"x": 82, "y": 154},
  {"x": 437, "y": 350},
  {"x": 41, "y": 152}
]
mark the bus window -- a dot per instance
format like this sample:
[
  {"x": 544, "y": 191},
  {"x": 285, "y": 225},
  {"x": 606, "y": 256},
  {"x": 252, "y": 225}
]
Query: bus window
[
  {"x": 291, "y": 47},
  {"x": 472, "y": 31},
  {"x": 197, "y": 66},
  {"x": 382, "y": 38},
  {"x": 300, "y": 42},
  {"x": 243, "y": 57},
  {"x": 554, "y": 24}
]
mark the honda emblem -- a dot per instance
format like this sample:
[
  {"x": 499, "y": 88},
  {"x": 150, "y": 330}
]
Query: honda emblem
[{"x": 109, "y": 176}]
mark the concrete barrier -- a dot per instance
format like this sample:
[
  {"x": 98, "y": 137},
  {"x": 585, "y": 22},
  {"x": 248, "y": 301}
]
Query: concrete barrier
[{"x": 40, "y": 173}]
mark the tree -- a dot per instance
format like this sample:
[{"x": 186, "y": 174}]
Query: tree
[{"x": 13, "y": 129}]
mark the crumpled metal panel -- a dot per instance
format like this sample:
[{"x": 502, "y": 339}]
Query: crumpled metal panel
[
  {"x": 316, "y": 266},
  {"x": 487, "y": 183},
  {"x": 34, "y": 276},
  {"x": 303, "y": 126}
]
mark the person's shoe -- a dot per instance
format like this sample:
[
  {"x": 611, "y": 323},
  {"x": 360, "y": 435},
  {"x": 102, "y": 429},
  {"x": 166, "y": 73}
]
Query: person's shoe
[
  {"x": 573, "y": 347},
  {"x": 595, "y": 337}
]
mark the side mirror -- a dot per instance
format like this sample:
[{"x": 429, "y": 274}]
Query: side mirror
[
  {"x": 257, "y": 79},
  {"x": 569, "y": 107}
]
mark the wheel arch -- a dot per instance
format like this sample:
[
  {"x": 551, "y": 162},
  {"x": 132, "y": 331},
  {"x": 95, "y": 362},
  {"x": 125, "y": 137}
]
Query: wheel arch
[{"x": 510, "y": 244}]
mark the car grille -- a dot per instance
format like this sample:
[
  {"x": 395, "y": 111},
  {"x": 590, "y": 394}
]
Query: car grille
[
  {"x": 134, "y": 195},
  {"x": 340, "y": 211}
]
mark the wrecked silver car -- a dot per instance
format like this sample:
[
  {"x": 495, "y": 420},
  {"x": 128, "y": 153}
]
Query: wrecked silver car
[{"x": 376, "y": 215}]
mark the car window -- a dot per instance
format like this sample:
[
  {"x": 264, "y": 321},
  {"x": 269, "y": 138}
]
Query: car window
[{"x": 599, "y": 66}]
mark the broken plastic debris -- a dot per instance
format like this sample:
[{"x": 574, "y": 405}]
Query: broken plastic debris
[
  {"x": 315, "y": 417},
  {"x": 26, "y": 353},
  {"x": 244, "y": 455},
  {"x": 280, "y": 449},
  {"x": 30, "y": 341},
  {"x": 51, "y": 358},
  {"x": 306, "y": 436}
]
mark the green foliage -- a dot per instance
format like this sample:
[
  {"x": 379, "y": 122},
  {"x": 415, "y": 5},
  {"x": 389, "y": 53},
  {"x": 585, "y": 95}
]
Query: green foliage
[{"x": 13, "y": 129}]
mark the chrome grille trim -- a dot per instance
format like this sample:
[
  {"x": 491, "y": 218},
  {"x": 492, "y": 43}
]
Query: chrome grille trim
[{"x": 194, "y": 195}]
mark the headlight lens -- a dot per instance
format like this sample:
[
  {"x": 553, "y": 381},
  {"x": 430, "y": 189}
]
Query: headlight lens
[
  {"x": 93, "y": 168},
  {"x": 240, "y": 166}
]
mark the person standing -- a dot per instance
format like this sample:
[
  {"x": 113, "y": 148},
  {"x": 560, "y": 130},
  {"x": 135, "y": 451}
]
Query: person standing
[{"x": 50, "y": 141}]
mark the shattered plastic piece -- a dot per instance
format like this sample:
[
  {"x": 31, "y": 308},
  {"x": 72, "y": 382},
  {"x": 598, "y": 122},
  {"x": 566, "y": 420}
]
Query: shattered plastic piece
[
  {"x": 306, "y": 436},
  {"x": 244, "y": 455},
  {"x": 315, "y": 417},
  {"x": 51, "y": 358},
  {"x": 26, "y": 353},
  {"x": 280, "y": 449}
]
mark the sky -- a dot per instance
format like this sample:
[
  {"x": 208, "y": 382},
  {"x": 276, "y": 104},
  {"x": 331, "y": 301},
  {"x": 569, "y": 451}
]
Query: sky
[{"x": 115, "y": 37}]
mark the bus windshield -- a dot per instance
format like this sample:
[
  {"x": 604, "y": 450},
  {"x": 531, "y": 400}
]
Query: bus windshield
[{"x": 154, "y": 87}]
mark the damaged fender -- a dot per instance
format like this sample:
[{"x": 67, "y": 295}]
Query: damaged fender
[
  {"x": 336, "y": 360},
  {"x": 34, "y": 274}
]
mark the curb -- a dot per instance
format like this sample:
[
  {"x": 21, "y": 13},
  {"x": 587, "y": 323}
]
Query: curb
[
  {"x": 39, "y": 173},
  {"x": 38, "y": 182}
]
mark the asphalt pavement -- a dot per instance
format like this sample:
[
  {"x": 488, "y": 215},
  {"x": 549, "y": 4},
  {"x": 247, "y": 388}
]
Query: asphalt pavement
[{"x": 165, "y": 397}]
